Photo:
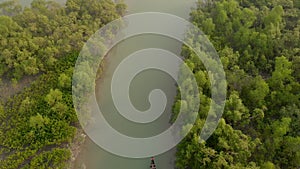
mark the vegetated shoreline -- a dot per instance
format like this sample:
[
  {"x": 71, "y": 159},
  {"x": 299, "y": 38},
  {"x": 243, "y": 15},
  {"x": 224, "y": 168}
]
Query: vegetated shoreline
[
  {"x": 76, "y": 146},
  {"x": 73, "y": 136},
  {"x": 79, "y": 140},
  {"x": 8, "y": 90}
]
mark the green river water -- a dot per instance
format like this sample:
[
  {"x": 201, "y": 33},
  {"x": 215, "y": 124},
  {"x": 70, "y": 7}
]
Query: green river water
[{"x": 92, "y": 156}]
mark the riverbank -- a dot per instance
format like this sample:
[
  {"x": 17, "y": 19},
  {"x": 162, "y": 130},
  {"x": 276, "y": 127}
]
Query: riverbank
[{"x": 76, "y": 146}]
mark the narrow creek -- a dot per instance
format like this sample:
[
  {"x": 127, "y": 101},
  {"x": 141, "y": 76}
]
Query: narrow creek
[{"x": 92, "y": 156}]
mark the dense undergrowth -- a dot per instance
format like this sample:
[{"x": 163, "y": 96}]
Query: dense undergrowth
[
  {"x": 259, "y": 45},
  {"x": 38, "y": 124}
]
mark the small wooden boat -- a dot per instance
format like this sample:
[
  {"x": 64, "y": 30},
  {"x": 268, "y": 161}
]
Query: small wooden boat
[{"x": 152, "y": 164}]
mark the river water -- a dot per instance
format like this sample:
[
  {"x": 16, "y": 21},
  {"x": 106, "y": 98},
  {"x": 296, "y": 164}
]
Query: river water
[{"x": 94, "y": 157}]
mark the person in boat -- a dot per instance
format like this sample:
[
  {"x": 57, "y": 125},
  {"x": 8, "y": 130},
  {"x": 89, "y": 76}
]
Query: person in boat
[{"x": 152, "y": 166}]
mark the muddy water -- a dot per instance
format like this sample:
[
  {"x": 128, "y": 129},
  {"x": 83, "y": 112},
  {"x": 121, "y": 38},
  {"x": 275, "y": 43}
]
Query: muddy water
[{"x": 92, "y": 156}]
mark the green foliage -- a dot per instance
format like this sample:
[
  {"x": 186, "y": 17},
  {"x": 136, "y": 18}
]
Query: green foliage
[
  {"x": 64, "y": 81},
  {"x": 268, "y": 165},
  {"x": 24, "y": 131},
  {"x": 53, "y": 97},
  {"x": 121, "y": 7},
  {"x": 258, "y": 43},
  {"x": 255, "y": 92},
  {"x": 10, "y": 8},
  {"x": 235, "y": 112},
  {"x": 55, "y": 158},
  {"x": 32, "y": 40},
  {"x": 2, "y": 112},
  {"x": 38, "y": 123}
]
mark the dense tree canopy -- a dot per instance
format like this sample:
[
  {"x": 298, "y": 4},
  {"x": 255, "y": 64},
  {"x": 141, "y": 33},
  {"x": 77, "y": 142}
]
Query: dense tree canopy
[
  {"x": 32, "y": 40},
  {"x": 38, "y": 124},
  {"x": 258, "y": 43}
]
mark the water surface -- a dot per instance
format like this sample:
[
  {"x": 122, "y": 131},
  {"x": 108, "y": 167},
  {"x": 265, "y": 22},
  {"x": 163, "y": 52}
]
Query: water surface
[{"x": 92, "y": 156}]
